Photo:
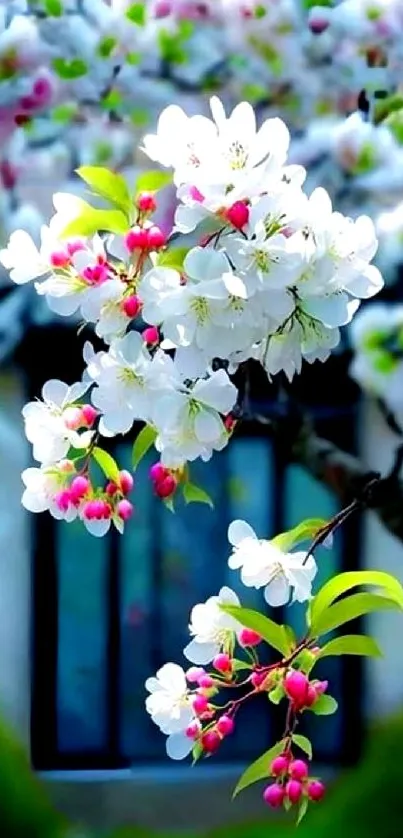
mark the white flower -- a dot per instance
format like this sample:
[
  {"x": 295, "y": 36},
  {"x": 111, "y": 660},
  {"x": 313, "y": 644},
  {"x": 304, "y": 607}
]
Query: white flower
[
  {"x": 41, "y": 488},
  {"x": 22, "y": 258},
  {"x": 263, "y": 564},
  {"x": 45, "y": 422},
  {"x": 170, "y": 708},
  {"x": 212, "y": 629}
]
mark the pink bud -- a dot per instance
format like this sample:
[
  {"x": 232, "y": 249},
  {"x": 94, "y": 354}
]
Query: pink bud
[
  {"x": 199, "y": 703},
  {"x": 106, "y": 509},
  {"x": 320, "y": 687},
  {"x": 193, "y": 730},
  {"x": 126, "y": 482},
  {"x": 136, "y": 239},
  {"x": 293, "y": 790},
  {"x": 89, "y": 510},
  {"x": 75, "y": 246},
  {"x": 125, "y": 509},
  {"x": 155, "y": 238},
  {"x": 158, "y": 472},
  {"x": 206, "y": 681},
  {"x": 225, "y": 725},
  {"x": 146, "y": 202},
  {"x": 59, "y": 259},
  {"x": 131, "y": 306},
  {"x": 63, "y": 500},
  {"x": 166, "y": 487},
  {"x": 151, "y": 335},
  {"x": 9, "y": 174},
  {"x": 311, "y": 696},
  {"x": 315, "y": 790},
  {"x": 72, "y": 418},
  {"x": 162, "y": 9},
  {"x": 274, "y": 795},
  {"x": 279, "y": 766},
  {"x": 296, "y": 686},
  {"x": 88, "y": 415},
  {"x": 298, "y": 769},
  {"x": 196, "y": 195},
  {"x": 99, "y": 509},
  {"x": 257, "y": 679},
  {"x": 318, "y": 24},
  {"x": 248, "y": 637},
  {"x": 222, "y": 663},
  {"x": 79, "y": 487},
  {"x": 194, "y": 673},
  {"x": 42, "y": 91},
  {"x": 211, "y": 741},
  {"x": 238, "y": 215}
]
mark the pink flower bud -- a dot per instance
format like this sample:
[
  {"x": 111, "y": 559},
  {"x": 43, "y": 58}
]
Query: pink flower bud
[
  {"x": 315, "y": 790},
  {"x": 88, "y": 415},
  {"x": 155, "y": 238},
  {"x": 222, "y": 663},
  {"x": 166, "y": 487},
  {"x": 79, "y": 487},
  {"x": 59, "y": 259},
  {"x": 298, "y": 769},
  {"x": 106, "y": 509},
  {"x": 274, "y": 795},
  {"x": 296, "y": 686},
  {"x": 151, "y": 335},
  {"x": 136, "y": 239},
  {"x": 199, "y": 703},
  {"x": 293, "y": 790},
  {"x": 211, "y": 741},
  {"x": 125, "y": 509},
  {"x": 193, "y": 730},
  {"x": 146, "y": 202},
  {"x": 257, "y": 679},
  {"x": 194, "y": 673},
  {"x": 225, "y": 725},
  {"x": 229, "y": 423},
  {"x": 74, "y": 246},
  {"x": 320, "y": 687},
  {"x": 248, "y": 637},
  {"x": 318, "y": 24},
  {"x": 206, "y": 681},
  {"x": 279, "y": 765},
  {"x": 131, "y": 306},
  {"x": 89, "y": 510},
  {"x": 158, "y": 472},
  {"x": 162, "y": 9},
  {"x": 238, "y": 215},
  {"x": 63, "y": 500},
  {"x": 111, "y": 488},
  {"x": 72, "y": 418},
  {"x": 311, "y": 696},
  {"x": 126, "y": 481}
]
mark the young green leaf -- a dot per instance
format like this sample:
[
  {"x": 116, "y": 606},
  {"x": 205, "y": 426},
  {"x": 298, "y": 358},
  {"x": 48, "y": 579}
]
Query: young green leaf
[
  {"x": 259, "y": 769},
  {"x": 344, "y": 582},
  {"x": 106, "y": 463},
  {"x": 303, "y": 807},
  {"x": 303, "y": 743},
  {"x": 325, "y": 705},
  {"x": 305, "y": 531},
  {"x": 109, "y": 185},
  {"x": 152, "y": 181},
  {"x": 74, "y": 69},
  {"x": 90, "y": 221},
  {"x": 351, "y": 644},
  {"x": 143, "y": 442},
  {"x": 194, "y": 494},
  {"x": 136, "y": 13},
  {"x": 238, "y": 666},
  {"x": 348, "y": 609},
  {"x": 277, "y": 694},
  {"x": 54, "y": 8},
  {"x": 305, "y": 661},
  {"x": 271, "y": 632},
  {"x": 174, "y": 257}
]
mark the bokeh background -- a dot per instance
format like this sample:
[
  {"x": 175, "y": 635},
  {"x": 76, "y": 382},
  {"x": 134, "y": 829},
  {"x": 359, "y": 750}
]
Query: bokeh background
[{"x": 83, "y": 622}]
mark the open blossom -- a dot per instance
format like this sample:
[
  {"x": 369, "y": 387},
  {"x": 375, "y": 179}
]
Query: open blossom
[
  {"x": 42, "y": 487},
  {"x": 263, "y": 565},
  {"x": 47, "y": 422},
  {"x": 169, "y": 705},
  {"x": 213, "y": 631},
  {"x": 377, "y": 340}
]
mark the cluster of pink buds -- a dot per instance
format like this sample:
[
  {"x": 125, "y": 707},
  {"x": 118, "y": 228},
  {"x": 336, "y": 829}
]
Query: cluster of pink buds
[
  {"x": 62, "y": 258},
  {"x": 165, "y": 483},
  {"x": 292, "y": 782},
  {"x": 79, "y": 416},
  {"x": 145, "y": 238},
  {"x": 301, "y": 691},
  {"x": 209, "y": 738},
  {"x": 95, "y": 504}
]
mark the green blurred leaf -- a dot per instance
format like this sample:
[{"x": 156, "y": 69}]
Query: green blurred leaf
[
  {"x": 174, "y": 257},
  {"x": 107, "y": 464},
  {"x": 90, "y": 221},
  {"x": 54, "y": 8},
  {"x": 344, "y": 582},
  {"x": 351, "y": 644},
  {"x": 143, "y": 442},
  {"x": 74, "y": 69},
  {"x": 194, "y": 494},
  {"x": 349, "y": 609},
  {"x": 106, "y": 46},
  {"x": 152, "y": 181},
  {"x": 259, "y": 769},
  {"x": 305, "y": 531},
  {"x": 136, "y": 13},
  {"x": 303, "y": 808},
  {"x": 273, "y": 633},
  {"x": 64, "y": 113},
  {"x": 109, "y": 185},
  {"x": 277, "y": 694},
  {"x": 325, "y": 705},
  {"x": 303, "y": 743}
]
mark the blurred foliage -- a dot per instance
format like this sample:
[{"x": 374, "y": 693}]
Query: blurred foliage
[{"x": 364, "y": 801}]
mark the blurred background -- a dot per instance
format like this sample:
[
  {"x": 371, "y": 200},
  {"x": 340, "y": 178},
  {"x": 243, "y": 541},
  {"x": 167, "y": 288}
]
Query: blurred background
[{"x": 83, "y": 622}]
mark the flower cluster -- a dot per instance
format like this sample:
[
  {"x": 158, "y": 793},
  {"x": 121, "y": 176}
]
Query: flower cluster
[{"x": 274, "y": 276}]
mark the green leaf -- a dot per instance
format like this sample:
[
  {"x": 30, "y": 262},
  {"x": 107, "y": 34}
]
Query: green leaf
[
  {"x": 90, "y": 221},
  {"x": 74, "y": 69},
  {"x": 306, "y": 661},
  {"x": 259, "y": 769},
  {"x": 111, "y": 101},
  {"x": 63, "y": 114},
  {"x": 351, "y": 644},
  {"x": 152, "y": 181},
  {"x": 344, "y": 582},
  {"x": 109, "y": 185},
  {"x": 325, "y": 705},
  {"x": 303, "y": 743},
  {"x": 54, "y": 8},
  {"x": 277, "y": 694},
  {"x": 271, "y": 632},
  {"x": 136, "y": 13},
  {"x": 303, "y": 808},
  {"x": 194, "y": 494},
  {"x": 106, "y": 46},
  {"x": 348, "y": 609},
  {"x": 108, "y": 465},
  {"x": 305, "y": 531},
  {"x": 169, "y": 503},
  {"x": 238, "y": 665},
  {"x": 173, "y": 258},
  {"x": 143, "y": 442}
]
